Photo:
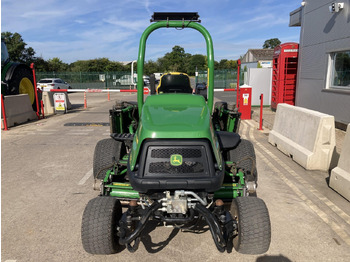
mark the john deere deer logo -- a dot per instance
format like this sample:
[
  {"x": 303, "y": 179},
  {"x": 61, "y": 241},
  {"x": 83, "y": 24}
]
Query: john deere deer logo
[{"x": 176, "y": 160}]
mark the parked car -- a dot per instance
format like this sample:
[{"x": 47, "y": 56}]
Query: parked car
[{"x": 52, "y": 83}]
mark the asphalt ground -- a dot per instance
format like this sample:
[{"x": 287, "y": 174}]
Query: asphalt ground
[{"x": 46, "y": 182}]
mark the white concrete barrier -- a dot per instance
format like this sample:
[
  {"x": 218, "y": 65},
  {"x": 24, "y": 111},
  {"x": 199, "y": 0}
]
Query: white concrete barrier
[
  {"x": 47, "y": 98},
  {"x": 307, "y": 136},
  {"x": 340, "y": 176},
  {"x": 48, "y": 103},
  {"x": 18, "y": 109}
]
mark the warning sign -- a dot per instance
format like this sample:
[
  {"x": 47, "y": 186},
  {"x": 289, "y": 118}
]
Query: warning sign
[
  {"x": 60, "y": 102},
  {"x": 245, "y": 99}
]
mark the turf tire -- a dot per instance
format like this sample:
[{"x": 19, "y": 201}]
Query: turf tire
[
  {"x": 244, "y": 155},
  {"x": 254, "y": 228},
  {"x": 99, "y": 225},
  {"x": 105, "y": 151}
]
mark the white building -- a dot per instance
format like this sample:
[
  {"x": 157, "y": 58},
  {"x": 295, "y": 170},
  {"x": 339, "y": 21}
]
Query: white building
[{"x": 253, "y": 57}]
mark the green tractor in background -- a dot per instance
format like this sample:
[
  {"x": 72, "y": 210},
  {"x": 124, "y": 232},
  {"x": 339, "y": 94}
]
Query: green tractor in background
[
  {"x": 16, "y": 78},
  {"x": 175, "y": 159}
]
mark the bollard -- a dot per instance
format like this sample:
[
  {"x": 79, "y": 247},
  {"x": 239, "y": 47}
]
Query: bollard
[
  {"x": 237, "y": 91},
  {"x": 85, "y": 102},
  {"x": 261, "y": 111},
  {"x": 3, "y": 113},
  {"x": 109, "y": 98},
  {"x": 35, "y": 91},
  {"x": 42, "y": 108}
]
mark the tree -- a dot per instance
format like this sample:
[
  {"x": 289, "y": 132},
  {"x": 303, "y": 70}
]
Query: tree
[
  {"x": 222, "y": 64},
  {"x": 97, "y": 65},
  {"x": 17, "y": 48},
  {"x": 194, "y": 61},
  {"x": 41, "y": 65},
  {"x": 151, "y": 67},
  {"x": 174, "y": 61},
  {"x": 227, "y": 64},
  {"x": 56, "y": 65},
  {"x": 271, "y": 43}
]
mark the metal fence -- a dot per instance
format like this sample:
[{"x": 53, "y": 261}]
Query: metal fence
[
  {"x": 222, "y": 78},
  {"x": 91, "y": 80},
  {"x": 122, "y": 80}
]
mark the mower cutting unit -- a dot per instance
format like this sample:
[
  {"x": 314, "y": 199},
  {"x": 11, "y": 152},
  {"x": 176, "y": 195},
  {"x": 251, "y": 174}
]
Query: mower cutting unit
[{"x": 176, "y": 159}]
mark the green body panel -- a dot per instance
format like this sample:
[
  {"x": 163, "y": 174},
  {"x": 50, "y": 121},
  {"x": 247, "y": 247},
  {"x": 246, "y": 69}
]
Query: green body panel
[
  {"x": 175, "y": 24},
  {"x": 175, "y": 116},
  {"x": 3, "y": 75},
  {"x": 171, "y": 116},
  {"x": 123, "y": 190},
  {"x": 4, "y": 70},
  {"x": 125, "y": 193}
]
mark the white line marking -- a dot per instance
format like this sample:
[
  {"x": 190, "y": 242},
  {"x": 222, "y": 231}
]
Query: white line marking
[
  {"x": 77, "y": 134},
  {"x": 85, "y": 178},
  {"x": 81, "y": 130},
  {"x": 46, "y": 130}
]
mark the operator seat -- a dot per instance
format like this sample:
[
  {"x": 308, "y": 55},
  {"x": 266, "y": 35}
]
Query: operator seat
[{"x": 174, "y": 83}]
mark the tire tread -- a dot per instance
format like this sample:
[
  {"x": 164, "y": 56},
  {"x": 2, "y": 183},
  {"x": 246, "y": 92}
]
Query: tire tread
[
  {"x": 254, "y": 226},
  {"x": 99, "y": 225}
]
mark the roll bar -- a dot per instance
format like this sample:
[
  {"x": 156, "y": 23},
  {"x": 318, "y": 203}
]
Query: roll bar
[{"x": 175, "y": 24}]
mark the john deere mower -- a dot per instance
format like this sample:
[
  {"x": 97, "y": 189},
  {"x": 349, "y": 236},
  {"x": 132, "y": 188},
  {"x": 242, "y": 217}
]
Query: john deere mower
[
  {"x": 16, "y": 78},
  {"x": 175, "y": 159}
]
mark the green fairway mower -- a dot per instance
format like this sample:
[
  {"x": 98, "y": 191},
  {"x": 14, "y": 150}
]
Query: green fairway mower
[
  {"x": 175, "y": 159},
  {"x": 16, "y": 78}
]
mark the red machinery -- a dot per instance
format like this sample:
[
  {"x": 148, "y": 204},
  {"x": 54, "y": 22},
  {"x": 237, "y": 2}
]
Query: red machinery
[{"x": 284, "y": 75}]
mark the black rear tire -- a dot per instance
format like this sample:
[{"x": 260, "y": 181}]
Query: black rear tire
[
  {"x": 244, "y": 156},
  {"x": 105, "y": 151},
  {"x": 99, "y": 225},
  {"x": 254, "y": 227},
  {"x": 22, "y": 83}
]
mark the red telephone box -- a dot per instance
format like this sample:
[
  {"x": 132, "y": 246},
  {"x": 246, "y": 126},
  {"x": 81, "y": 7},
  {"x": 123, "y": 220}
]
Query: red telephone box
[
  {"x": 284, "y": 74},
  {"x": 245, "y": 103}
]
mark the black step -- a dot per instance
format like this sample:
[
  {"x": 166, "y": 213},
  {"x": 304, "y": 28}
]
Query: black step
[{"x": 123, "y": 137}]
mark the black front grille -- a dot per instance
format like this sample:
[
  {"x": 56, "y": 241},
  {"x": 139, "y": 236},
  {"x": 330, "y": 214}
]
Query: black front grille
[
  {"x": 195, "y": 159},
  {"x": 167, "y": 164},
  {"x": 188, "y": 167},
  {"x": 167, "y": 152}
]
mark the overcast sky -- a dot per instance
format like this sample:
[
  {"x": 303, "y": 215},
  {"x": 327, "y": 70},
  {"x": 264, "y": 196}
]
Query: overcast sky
[{"x": 87, "y": 29}]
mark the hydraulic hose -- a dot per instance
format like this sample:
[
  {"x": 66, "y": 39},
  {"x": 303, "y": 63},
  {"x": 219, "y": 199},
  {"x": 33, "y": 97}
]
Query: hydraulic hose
[
  {"x": 214, "y": 227},
  {"x": 141, "y": 225}
]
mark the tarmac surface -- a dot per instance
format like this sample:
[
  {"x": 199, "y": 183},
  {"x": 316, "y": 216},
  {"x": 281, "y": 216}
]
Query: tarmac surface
[{"x": 46, "y": 182}]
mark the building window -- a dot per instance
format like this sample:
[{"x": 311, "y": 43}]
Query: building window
[{"x": 340, "y": 70}]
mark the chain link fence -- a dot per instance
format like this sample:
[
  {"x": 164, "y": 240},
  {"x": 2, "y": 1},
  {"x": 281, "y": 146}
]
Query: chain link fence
[
  {"x": 222, "y": 78},
  {"x": 91, "y": 80}
]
